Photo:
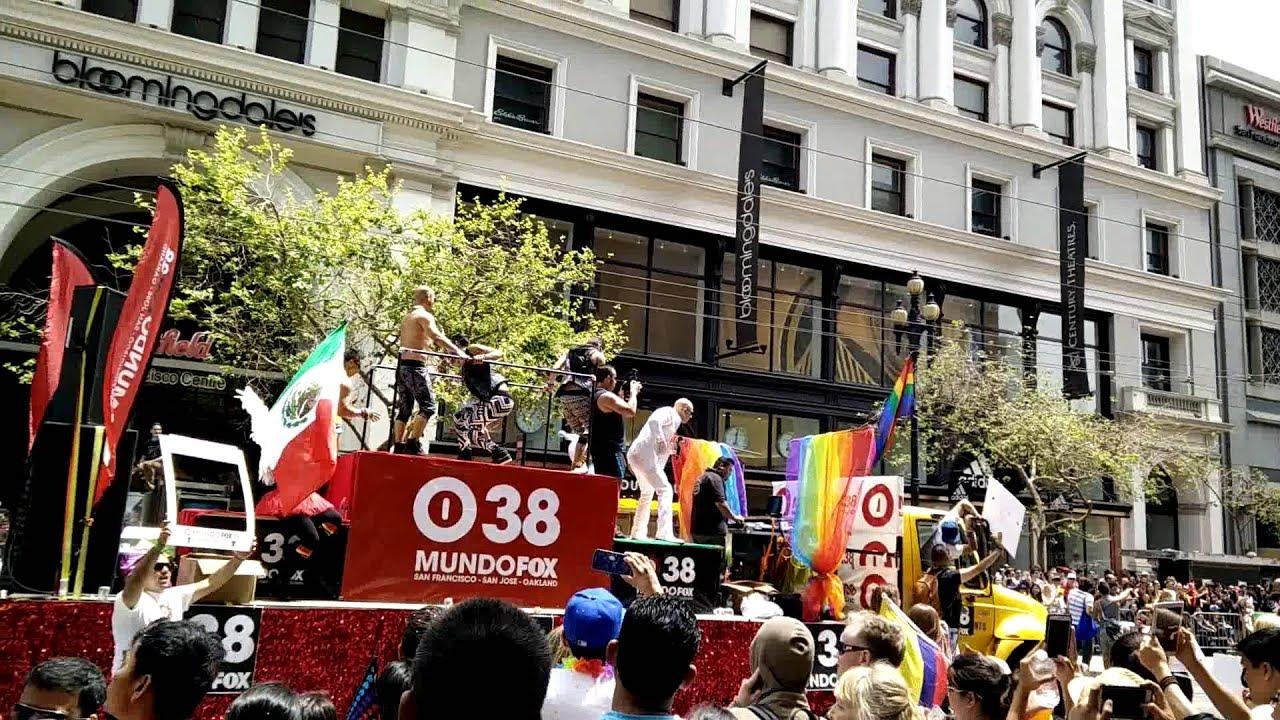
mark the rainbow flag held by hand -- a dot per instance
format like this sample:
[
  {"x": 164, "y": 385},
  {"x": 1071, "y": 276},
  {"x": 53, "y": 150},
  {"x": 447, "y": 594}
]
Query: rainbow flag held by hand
[
  {"x": 924, "y": 666},
  {"x": 900, "y": 404}
]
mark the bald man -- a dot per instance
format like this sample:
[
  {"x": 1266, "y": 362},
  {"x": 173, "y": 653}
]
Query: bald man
[{"x": 648, "y": 456}]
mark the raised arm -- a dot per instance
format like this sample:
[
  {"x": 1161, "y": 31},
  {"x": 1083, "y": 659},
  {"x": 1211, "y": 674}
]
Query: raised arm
[
  {"x": 136, "y": 582},
  {"x": 610, "y": 402},
  {"x": 221, "y": 576},
  {"x": 985, "y": 564},
  {"x": 483, "y": 352}
]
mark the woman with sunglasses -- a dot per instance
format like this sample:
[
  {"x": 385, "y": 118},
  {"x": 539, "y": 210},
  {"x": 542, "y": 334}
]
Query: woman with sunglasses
[
  {"x": 978, "y": 688},
  {"x": 149, "y": 594}
]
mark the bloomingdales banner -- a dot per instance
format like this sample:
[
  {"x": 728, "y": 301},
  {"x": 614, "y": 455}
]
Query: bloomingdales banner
[{"x": 427, "y": 529}]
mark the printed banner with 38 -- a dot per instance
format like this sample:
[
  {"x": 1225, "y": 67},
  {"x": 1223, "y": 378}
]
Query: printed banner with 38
[
  {"x": 424, "y": 529},
  {"x": 237, "y": 628},
  {"x": 826, "y": 655}
]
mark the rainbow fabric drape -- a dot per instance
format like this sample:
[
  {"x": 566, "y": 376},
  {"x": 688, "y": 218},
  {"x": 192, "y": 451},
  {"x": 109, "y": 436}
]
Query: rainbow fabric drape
[
  {"x": 924, "y": 666},
  {"x": 822, "y": 472},
  {"x": 693, "y": 458},
  {"x": 900, "y": 404}
]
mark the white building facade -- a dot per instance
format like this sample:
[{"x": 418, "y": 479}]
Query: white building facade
[{"x": 901, "y": 137}]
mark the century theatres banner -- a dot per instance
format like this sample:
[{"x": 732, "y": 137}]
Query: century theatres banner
[
  {"x": 750, "y": 163},
  {"x": 424, "y": 529},
  {"x": 1073, "y": 245}
]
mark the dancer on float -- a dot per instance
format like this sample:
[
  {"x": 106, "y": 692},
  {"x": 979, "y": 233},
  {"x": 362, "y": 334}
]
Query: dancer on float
[
  {"x": 648, "y": 455},
  {"x": 419, "y": 331},
  {"x": 490, "y": 402},
  {"x": 574, "y": 394}
]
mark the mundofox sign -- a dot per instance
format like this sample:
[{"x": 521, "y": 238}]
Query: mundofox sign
[{"x": 426, "y": 529}]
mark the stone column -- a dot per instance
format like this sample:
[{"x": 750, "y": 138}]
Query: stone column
[
  {"x": 1025, "y": 98},
  {"x": 1189, "y": 163},
  {"x": 422, "y": 47},
  {"x": 1003, "y": 35},
  {"x": 837, "y": 32},
  {"x": 1111, "y": 80},
  {"x": 937, "y": 53},
  {"x": 322, "y": 40},
  {"x": 721, "y": 22},
  {"x": 156, "y": 13},
  {"x": 242, "y": 24},
  {"x": 909, "y": 71},
  {"x": 1248, "y": 221},
  {"x": 1086, "y": 58}
]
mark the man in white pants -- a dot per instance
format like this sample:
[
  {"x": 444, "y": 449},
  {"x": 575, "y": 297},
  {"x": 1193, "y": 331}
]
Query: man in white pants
[{"x": 648, "y": 455}]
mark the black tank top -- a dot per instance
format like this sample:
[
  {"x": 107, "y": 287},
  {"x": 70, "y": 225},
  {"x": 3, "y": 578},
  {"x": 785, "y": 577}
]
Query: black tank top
[
  {"x": 480, "y": 380},
  {"x": 607, "y": 428}
]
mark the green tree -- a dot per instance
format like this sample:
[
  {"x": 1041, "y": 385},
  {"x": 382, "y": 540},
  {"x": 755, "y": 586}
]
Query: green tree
[
  {"x": 267, "y": 274},
  {"x": 969, "y": 404}
]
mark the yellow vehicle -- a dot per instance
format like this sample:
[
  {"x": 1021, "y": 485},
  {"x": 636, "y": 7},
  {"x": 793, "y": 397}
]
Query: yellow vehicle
[{"x": 1003, "y": 622}]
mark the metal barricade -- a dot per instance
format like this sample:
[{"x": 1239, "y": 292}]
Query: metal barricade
[{"x": 1216, "y": 631}]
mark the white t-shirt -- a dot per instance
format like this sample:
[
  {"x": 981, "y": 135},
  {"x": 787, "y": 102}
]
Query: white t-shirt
[
  {"x": 575, "y": 696},
  {"x": 126, "y": 623}
]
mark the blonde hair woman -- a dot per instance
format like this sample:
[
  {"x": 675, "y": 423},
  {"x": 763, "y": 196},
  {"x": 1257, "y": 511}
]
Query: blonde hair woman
[{"x": 874, "y": 692}]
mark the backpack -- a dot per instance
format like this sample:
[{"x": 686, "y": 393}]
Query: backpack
[
  {"x": 764, "y": 714},
  {"x": 926, "y": 591}
]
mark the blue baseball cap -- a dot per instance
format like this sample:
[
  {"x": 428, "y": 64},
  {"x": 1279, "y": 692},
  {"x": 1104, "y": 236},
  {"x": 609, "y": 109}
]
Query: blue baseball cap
[
  {"x": 592, "y": 618},
  {"x": 950, "y": 532}
]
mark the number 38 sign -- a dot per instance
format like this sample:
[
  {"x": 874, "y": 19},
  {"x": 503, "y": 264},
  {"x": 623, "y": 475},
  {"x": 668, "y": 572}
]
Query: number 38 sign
[
  {"x": 426, "y": 529},
  {"x": 237, "y": 628}
]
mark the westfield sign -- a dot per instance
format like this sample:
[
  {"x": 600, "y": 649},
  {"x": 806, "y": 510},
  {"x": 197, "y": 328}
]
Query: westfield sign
[{"x": 1259, "y": 118}]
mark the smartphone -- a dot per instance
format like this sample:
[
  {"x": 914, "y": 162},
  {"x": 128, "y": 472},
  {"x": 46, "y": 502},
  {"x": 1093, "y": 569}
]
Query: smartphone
[
  {"x": 1126, "y": 702},
  {"x": 1057, "y": 635},
  {"x": 613, "y": 563},
  {"x": 1165, "y": 622}
]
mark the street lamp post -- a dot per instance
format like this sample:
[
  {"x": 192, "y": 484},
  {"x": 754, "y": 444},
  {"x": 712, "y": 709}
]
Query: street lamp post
[{"x": 917, "y": 322}]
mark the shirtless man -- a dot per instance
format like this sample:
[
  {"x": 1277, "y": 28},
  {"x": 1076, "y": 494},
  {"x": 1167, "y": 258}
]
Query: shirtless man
[{"x": 418, "y": 331}]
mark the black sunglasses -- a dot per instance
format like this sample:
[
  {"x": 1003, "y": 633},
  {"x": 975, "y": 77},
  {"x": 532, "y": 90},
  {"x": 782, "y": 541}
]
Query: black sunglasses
[
  {"x": 27, "y": 712},
  {"x": 843, "y": 647},
  {"x": 161, "y": 566}
]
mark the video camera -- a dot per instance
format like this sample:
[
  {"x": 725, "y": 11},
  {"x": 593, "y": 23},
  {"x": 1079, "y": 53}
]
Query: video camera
[{"x": 624, "y": 385}]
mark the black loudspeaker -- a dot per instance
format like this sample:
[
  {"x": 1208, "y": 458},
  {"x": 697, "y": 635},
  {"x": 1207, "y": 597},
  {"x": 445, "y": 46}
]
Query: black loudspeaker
[
  {"x": 96, "y": 309},
  {"x": 36, "y": 531}
]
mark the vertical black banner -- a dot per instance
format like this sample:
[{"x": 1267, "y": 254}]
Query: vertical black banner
[
  {"x": 1073, "y": 246},
  {"x": 750, "y": 159}
]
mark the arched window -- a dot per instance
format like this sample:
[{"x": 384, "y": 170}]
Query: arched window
[
  {"x": 1057, "y": 48},
  {"x": 971, "y": 22}
]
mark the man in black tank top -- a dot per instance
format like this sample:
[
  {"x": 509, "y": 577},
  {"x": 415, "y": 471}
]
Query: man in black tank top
[
  {"x": 609, "y": 413},
  {"x": 490, "y": 402}
]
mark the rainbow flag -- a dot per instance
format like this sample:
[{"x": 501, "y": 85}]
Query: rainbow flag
[
  {"x": 924, "y": 666},
  {"x": 901, "y": 403},
  {"x": 693, "y": 458},
  {"x": 364, "y": 706}
]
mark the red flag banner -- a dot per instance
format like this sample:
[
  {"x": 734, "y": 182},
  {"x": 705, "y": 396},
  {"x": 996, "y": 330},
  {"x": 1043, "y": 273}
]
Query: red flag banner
[
  {"x": 69, "y": 272},
  {"x": 139, "y": 326}
]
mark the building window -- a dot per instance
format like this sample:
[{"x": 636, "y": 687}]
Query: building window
[
  {"x": 1056, "y": 56},
  {"x": 1268, "y": 284},
  {"x": 1143, "y": 69},
  {"x": 867, "y": 352},
  {"x": 360, "y": 39},
  {"x": 1146, "y": 147},
  {"x": 1269, "y": 351},
  {"x": 986, "y": 217},
  {"x": 789, "y": 305},
  {"x": 282, "y": 29},
  {"x": 971, "y": 98},
  {"x": 883, "y": 8},
  {"x": 1157, "y": 249},
  {"x": 888, "y": 185},
  {"x": 1266, "y": 215},
  {"x": 659, "y": 128},
  {"x": 199, "y": 19},
  {"x": 875, "y": 70},
  {"x": 971, "y": 23},
  {"x": 658, "y": 13},
  {"x": 126, "y": 10},
  {"x": 771, "y": 38},
  {"x": 1157, "y": 373},
  {"x": 522, "y": 95},
  {"x": 781, "y": 167},
  {"x": 656, "y": 286},
  {"x": 763, "y": 439},
  {"x": 1095, "y": 230},
  {"x": 1059, "y": 123}
]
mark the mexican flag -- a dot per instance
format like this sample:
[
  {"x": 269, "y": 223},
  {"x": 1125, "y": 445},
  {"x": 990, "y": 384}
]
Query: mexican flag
[{"x": 298, "y": 435}]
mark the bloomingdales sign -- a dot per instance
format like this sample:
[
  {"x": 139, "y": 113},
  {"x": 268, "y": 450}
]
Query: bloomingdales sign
[
  {"x": 1260, "y": 126},
  {"x": 165, "y": 91}
]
